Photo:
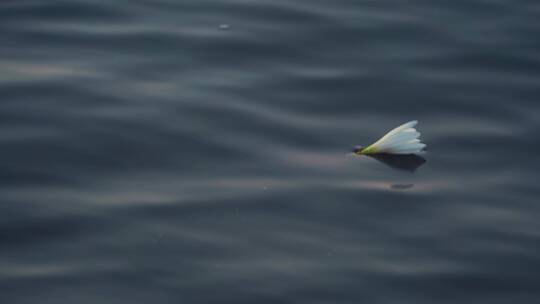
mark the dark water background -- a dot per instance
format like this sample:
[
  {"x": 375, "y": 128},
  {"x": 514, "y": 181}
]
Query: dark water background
[{"x": 195, "y": 151}]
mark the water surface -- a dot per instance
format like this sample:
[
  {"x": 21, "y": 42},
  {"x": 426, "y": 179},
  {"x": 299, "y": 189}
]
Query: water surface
[{"x": 195, "y": 151}]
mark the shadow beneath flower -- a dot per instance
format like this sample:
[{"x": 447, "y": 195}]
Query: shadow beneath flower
[{"x": 410, "y": 162}]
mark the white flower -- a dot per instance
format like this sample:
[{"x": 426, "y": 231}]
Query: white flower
[{"x": 401, "y": 140}]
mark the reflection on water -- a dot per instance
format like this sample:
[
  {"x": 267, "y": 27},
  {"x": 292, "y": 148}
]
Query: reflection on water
[
  {"x": 191, "y": 151},
  {"x": 410, "y": 162}
]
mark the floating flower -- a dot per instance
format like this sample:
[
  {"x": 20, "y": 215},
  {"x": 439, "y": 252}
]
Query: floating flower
[{"x": 401, "y": 140}]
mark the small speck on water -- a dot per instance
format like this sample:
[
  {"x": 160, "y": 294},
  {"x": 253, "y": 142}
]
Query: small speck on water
[
  {"x": 401, "y": 186},
  {"x": 224, "y": 26}
]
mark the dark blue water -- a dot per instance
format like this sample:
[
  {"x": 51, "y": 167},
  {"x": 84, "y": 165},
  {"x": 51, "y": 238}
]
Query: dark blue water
[{"x": 195, "y": 151}]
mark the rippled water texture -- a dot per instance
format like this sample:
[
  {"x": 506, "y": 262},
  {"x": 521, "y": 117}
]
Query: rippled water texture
[{"x": 195, "y": 151}]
